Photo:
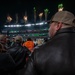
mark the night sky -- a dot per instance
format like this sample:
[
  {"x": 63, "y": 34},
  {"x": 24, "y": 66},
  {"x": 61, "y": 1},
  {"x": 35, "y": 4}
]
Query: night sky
[{"x": 12, "y": 7}]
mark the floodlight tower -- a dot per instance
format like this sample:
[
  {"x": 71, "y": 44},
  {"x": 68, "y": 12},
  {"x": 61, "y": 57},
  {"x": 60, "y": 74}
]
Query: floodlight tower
[
  {"x": 46, "y": 13},
  {"x": 25, "y": 17},
  {"x": 40, "y": 16},
  {"x": 60, "y": 7},
  {"x": 34, "y": 14}
]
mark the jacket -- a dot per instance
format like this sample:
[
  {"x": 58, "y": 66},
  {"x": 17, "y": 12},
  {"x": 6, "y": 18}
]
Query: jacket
[
  {"x": 56, "y": 57},
  {"x": 19, "y": 54},
  {"x": 7, "y": 63}
]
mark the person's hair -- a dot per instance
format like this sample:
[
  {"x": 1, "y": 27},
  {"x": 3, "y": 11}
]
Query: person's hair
[
  {"x": 66, "y": 25},
  {"x": 2, "y": 48},
  {"x": 29, "y": 39},
  {"x": 45, "y": 39},
  {"x": 18, "y": 38}
]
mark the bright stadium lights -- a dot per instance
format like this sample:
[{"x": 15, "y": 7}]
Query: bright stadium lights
[
  {"x": 28, "y": 25},
  {"x": 17, "y": 25},
  {"x": 5, "y": 26},
  {"x": 37, "y": 23},
  {"x": 45, "y": 22},
  {"x": 9, "y": 19},
  {"x": 61, "y": 9},
  {"x": 40, "y": 23},
  {"x": 25, "y": 19},
  {"x": 40, "y": 16},
  {"x": 12, "y": 25}
]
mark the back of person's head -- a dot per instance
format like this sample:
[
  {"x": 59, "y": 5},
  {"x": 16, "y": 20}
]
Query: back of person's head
[
  {"x": 3, "y": 38},
  {"x": 13, "y": 39},
  {"x": 18, "y": 38},
  {"x": 65, "y": 17},
  {"x": 2, "y": 48},
  {"x": 29, "y": 39},
  {"x": 45, "y": 39}
]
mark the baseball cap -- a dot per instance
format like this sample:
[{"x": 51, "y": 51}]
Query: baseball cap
[{"x": 65, "y": 17}]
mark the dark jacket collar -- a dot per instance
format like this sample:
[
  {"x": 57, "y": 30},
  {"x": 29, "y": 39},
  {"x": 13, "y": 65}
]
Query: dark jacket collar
[{"x": 66, "y": 30}]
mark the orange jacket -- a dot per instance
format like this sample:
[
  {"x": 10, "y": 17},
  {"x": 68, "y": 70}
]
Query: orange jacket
[{"x": 29, "y": 45}]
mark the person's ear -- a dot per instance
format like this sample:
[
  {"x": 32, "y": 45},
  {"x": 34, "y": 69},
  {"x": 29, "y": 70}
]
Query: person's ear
[{"x": 59, "y": 26}]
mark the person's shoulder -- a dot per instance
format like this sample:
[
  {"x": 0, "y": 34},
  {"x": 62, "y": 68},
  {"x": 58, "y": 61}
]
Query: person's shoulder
[
  {"x": 24, "y": 48},
  {"x": 41, "y": 48}
]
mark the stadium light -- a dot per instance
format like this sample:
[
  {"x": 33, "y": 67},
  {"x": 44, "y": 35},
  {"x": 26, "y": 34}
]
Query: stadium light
[{"x": 60, "y": 7}]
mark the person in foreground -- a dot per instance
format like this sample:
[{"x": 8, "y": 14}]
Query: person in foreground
[
  {"x": 19, "y": 55},
  {"x": 57, "y": 56},
  {"x": 7, "y": 63}
]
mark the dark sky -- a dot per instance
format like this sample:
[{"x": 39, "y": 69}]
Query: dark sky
[{"x": 20, "y": 6}]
